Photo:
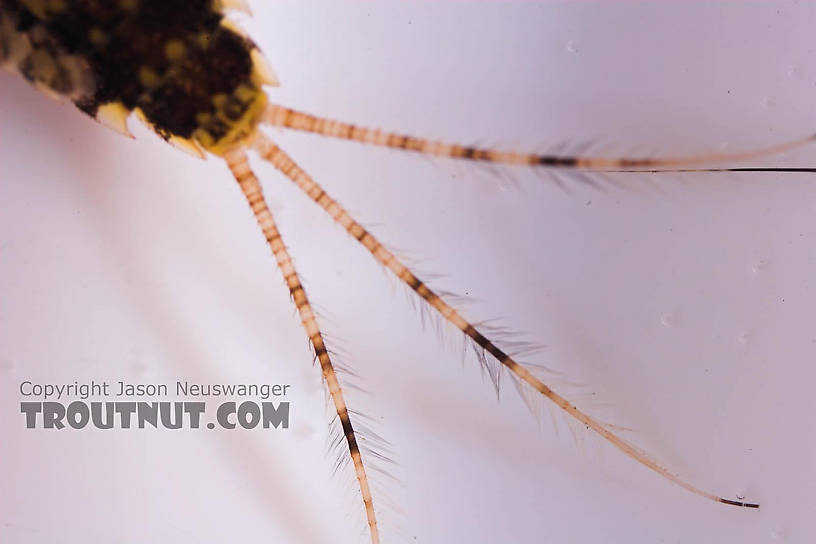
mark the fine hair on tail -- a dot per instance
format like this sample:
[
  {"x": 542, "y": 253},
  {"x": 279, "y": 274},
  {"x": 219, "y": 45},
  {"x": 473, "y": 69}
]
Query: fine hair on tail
[
  {"x": 281, "y": 116},
  {"x": 280, "y": 160},
  {"x": 250, "y": 186}
]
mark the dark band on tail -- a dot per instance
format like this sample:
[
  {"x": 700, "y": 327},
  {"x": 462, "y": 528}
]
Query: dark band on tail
[
  {"x": 278, "y": 158},
  {"x": 286, "y": 117},
  {"x": 739, "y": 503},
  {"x": 251, "y": 188}
]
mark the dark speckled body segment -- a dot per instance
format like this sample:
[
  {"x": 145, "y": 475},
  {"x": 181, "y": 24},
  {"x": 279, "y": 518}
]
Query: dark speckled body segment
[{"x": 175, "y": 61}]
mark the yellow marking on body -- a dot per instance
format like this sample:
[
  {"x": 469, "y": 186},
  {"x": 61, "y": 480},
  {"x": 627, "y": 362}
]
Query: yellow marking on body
[
  {"x": 114, "y": 116},
  {"x": 57, "y": 6},
  {"x": 244, "y": 93},
  {"x": 234, "y": 5},
  {"x": 203, "y": 39},
  {"x": 262, "y": 73},
  {"x": 219, "y": 100},
  {"x": 242, "y": 131},
  {"x": 42, "y": 9},
  {"x": 203, "y": 117},
  {"x": 129, "y": 5},
  {"x": 175, "y": 50},
  {"x": 188, "y": 146},
  {"x": 43, "y": 66},
  {"x": 37, "y": 7},
  {"x": 148, "y": 77},
  {"x": 233, "y": 27},
  {"x": 97, "y": 36}
]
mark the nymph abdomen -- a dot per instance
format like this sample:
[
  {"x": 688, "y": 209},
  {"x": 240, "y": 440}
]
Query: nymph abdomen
[{"x": 183, "y": 68}]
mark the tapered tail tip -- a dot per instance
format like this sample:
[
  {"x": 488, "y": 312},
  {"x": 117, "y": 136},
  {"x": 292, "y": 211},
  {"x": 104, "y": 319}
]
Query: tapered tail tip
[{"x": 739, "y": 503}]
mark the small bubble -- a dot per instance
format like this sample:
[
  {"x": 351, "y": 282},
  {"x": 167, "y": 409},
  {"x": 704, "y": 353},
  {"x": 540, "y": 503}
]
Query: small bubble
[
  {"x": 740, "y": 495},
  {"x": 795, "y": 71},
  {"x": 572, "y": 47},
  {"x": 7, "y": 365},
  {"x": 669, "y": 319},
  {"x": 745, "y": 337},
  {"x": 307, "y": 432},
  {"x": 778, "y": 534}
]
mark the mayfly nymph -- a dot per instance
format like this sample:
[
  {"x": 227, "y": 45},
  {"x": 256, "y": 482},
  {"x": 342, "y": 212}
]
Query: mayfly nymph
[{"x": 194, "y": 78}]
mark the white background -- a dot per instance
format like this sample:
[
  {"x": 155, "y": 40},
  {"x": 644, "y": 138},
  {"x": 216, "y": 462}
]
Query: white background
[{"x": 686, "y": 302}]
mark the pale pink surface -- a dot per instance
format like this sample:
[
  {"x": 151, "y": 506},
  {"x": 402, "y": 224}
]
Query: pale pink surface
[{"x": 687, "y": 302}]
